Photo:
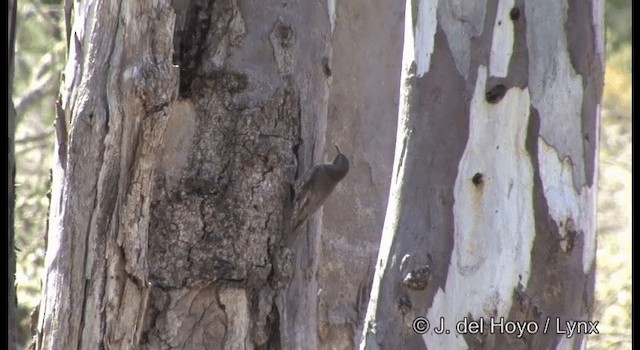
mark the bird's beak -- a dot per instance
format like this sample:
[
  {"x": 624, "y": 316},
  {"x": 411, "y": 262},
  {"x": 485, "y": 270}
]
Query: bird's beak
[{"x": 337, "y": 149}]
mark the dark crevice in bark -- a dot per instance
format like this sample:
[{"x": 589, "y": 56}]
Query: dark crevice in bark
[
  {"x": 192, "y": 42},
  {"x": 496, "y": 93},
  {"x": 273, "y": 324}
]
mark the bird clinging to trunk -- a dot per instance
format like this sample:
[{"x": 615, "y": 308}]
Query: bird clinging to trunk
[{"x": 315, "y": 187}]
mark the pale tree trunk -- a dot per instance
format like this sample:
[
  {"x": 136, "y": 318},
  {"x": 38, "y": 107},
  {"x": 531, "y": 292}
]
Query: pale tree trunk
[
  {"x": 116, "y": 98},
  {"x": 181, "y": 129},
  {"x": 11, "y": 169},
  {"x": 491, "y": 210}
]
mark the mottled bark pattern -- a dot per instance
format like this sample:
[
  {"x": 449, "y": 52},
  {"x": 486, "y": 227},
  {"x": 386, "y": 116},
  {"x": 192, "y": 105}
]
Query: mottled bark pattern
[
  {"x": 221, "y": 218},
  {"x": 493, "y": 191},
  {"x": 223, "y": 186}
]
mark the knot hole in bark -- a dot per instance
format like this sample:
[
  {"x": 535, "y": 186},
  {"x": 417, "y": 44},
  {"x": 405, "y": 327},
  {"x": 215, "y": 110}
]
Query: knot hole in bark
[
  {"x": 477, "y": 179},
  {"x": 496, "y": 94},
  {"x": 285, "y": 34}
]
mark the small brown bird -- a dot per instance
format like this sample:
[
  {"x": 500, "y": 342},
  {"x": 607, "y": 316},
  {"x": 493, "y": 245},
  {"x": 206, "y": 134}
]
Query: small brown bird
[{"x": 315, "y": 187}]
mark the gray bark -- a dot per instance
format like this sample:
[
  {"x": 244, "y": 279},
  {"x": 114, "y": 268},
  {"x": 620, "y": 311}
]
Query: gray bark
[
  {"x": 363, "y": 103},
  {"x": 181, "y": 130},
  {"x": 11, "y": 170},
  {"x": 119, "y": 83},
  {"x": 491, "y": 207}
]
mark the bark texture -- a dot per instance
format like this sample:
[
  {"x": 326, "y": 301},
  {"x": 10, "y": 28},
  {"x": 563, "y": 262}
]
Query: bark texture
[
  {"x": 116, "y": 99},
  {"x": 491, "y": 211},
  {"x": 181, "y": 129},
  {"x": 362, "y": 117}
]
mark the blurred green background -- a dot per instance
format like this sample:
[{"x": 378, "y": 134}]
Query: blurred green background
[{"x": 40, "y": 56}]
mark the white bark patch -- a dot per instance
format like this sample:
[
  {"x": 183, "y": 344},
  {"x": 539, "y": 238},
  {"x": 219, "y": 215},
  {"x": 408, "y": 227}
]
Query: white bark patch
[
  {"x": 502, "y": 41},
  {"x": 493, "y": 217},
  {"x": 571, "y": 211},
  {"x": 331, "y": 9},
  {"x": 461, "y": 20},
  {"x": 419, "y": 40},
  {"x": 179, "y": 133},
  {"x": 556, "y": 89},
  {"x": 236, "y": 308}
]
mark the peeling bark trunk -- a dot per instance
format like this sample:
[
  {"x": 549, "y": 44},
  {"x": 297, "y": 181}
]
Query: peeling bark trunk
[{"x": 491, "y": 211}]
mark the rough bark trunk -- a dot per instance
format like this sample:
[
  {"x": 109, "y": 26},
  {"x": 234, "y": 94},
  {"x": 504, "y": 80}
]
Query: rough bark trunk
[
  {"x": 491, "y": 208},
  {"x": 11, "y": 170},
  {"x": 116, "y": 99},
  {"x": 181, "y": 129}
]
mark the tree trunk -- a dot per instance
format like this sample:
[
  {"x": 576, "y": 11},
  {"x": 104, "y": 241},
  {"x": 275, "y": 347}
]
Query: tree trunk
[
  {"x": 491, "y": 221},
  {"x": 11, "y": 169},
  {"x": 363, "y": 104}
]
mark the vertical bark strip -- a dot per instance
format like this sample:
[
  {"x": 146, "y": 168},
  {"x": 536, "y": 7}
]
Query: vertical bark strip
[
  {"x": 11, "y": 170},
  {"x": 501, "y": 225}
]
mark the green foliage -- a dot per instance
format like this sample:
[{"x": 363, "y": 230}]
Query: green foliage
[
  {"x": 613, "y": 273},
  {"x": 618, "y": 23},
  {"x": 39, "y": 59}
]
